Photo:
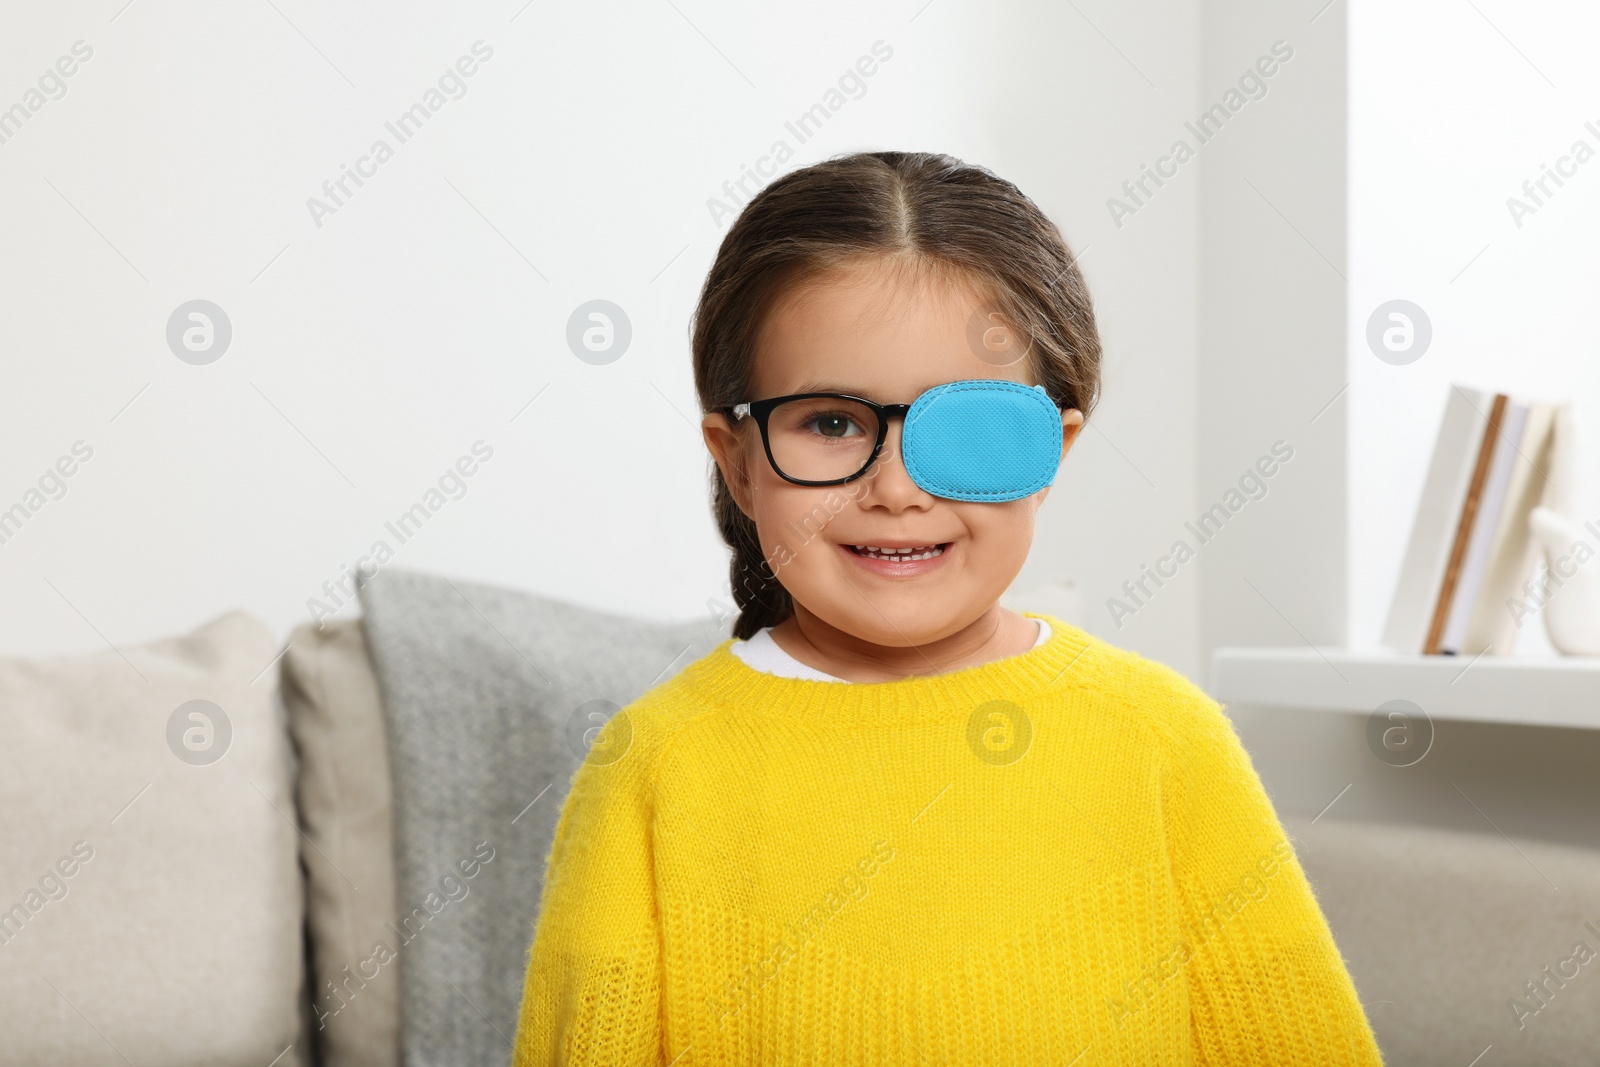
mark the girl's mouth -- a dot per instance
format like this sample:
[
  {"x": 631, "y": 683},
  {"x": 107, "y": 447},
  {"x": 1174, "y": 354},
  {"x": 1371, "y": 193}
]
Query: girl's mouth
[{"x": 899, "y": 561}]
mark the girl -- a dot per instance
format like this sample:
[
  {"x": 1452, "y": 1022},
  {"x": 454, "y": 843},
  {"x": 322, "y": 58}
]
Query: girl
[{"x": 889, "y": 821}]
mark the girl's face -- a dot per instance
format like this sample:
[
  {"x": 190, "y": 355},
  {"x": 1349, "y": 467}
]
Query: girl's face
[{"x": 866, "y": 331}]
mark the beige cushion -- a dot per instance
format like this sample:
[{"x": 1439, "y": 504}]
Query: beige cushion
[
  {"x": 346, "y": 811},
  {"x": 1442, "y": 929},
  {"x": 150, "y": 907}
]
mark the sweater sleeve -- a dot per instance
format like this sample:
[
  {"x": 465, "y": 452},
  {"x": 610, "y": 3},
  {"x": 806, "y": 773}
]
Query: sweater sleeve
[
  {"x": 1266, "y": 982},
  {"x": 592, "y": 993}
]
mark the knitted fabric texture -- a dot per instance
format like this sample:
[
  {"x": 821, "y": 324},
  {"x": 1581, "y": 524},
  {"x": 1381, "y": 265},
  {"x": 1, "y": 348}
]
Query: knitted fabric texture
[{"x": 1058, "y": 857}]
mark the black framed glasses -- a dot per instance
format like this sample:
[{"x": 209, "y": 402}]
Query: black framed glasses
[{"x": 820, "y": 438}]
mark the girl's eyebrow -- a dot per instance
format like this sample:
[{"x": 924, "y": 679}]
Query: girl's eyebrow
[{"x": 827, "y": 387}]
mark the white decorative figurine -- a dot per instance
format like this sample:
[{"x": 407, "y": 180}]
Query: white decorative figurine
[{"x": 1571, "y": 609}]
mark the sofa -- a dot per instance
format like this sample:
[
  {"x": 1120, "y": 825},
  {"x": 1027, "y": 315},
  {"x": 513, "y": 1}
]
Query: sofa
[{"x": 222, "y": 849}]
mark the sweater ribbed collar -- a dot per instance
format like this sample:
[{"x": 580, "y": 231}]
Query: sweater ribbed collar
[{"x": 722, "y": 677}]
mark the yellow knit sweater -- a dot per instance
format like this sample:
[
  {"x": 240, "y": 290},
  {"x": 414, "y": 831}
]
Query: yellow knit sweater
[{"x": 1062, "y": 857}]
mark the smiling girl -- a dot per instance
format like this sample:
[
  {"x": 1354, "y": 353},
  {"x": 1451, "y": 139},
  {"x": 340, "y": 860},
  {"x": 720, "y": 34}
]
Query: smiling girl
[{"x": 889, "y": 821}]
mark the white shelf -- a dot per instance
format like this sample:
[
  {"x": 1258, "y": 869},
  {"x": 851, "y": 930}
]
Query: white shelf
[{"x": 1555, "y": 691}]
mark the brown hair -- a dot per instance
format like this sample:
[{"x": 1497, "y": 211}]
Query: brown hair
[{"x": 931, "y": 211}]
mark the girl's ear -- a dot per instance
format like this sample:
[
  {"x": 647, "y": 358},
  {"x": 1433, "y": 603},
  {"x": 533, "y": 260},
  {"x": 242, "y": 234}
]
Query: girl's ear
[
  {"x": 723, "y": 441},
  {"x": 1071, "y": 423}
]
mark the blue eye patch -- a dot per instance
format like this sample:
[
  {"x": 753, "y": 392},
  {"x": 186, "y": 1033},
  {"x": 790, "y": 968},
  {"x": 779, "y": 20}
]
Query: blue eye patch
[{"x": 984, "y": 439}]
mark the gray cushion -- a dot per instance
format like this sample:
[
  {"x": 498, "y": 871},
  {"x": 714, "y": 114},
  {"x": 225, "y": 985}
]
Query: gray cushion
[
  {"x": 490, "y": 694},
  {"x": 1442, "y": 929},
  {"x": 347, "y": 848}
]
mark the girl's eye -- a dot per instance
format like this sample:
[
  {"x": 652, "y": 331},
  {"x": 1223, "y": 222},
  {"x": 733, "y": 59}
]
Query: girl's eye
[{"x": 833, "y": 424}]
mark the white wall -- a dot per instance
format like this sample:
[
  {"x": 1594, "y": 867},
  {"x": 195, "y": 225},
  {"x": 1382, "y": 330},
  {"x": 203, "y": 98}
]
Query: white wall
[
  {"x": 371, "y": 351},
  {"x": 1448, "y": 114},
  {"x": 1272, "y": 345},
  {"x": 1436, "y": 151}
]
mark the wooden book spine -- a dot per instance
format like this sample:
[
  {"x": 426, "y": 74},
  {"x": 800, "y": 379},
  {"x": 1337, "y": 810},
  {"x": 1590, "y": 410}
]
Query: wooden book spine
[{"x": 1469, "y": 511}]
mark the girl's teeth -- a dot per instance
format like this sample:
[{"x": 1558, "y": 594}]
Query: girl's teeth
[{"x": 901, "y": 554}]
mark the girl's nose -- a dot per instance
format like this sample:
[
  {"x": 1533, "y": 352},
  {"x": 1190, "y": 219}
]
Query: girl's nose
[{"x": 891, "y": 482}]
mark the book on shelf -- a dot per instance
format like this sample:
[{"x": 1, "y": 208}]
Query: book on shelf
[{"x": 1471, "y": 549}]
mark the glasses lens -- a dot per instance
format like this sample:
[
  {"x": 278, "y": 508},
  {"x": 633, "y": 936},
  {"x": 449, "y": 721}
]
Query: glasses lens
[{"x": 821, "y": 438}]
